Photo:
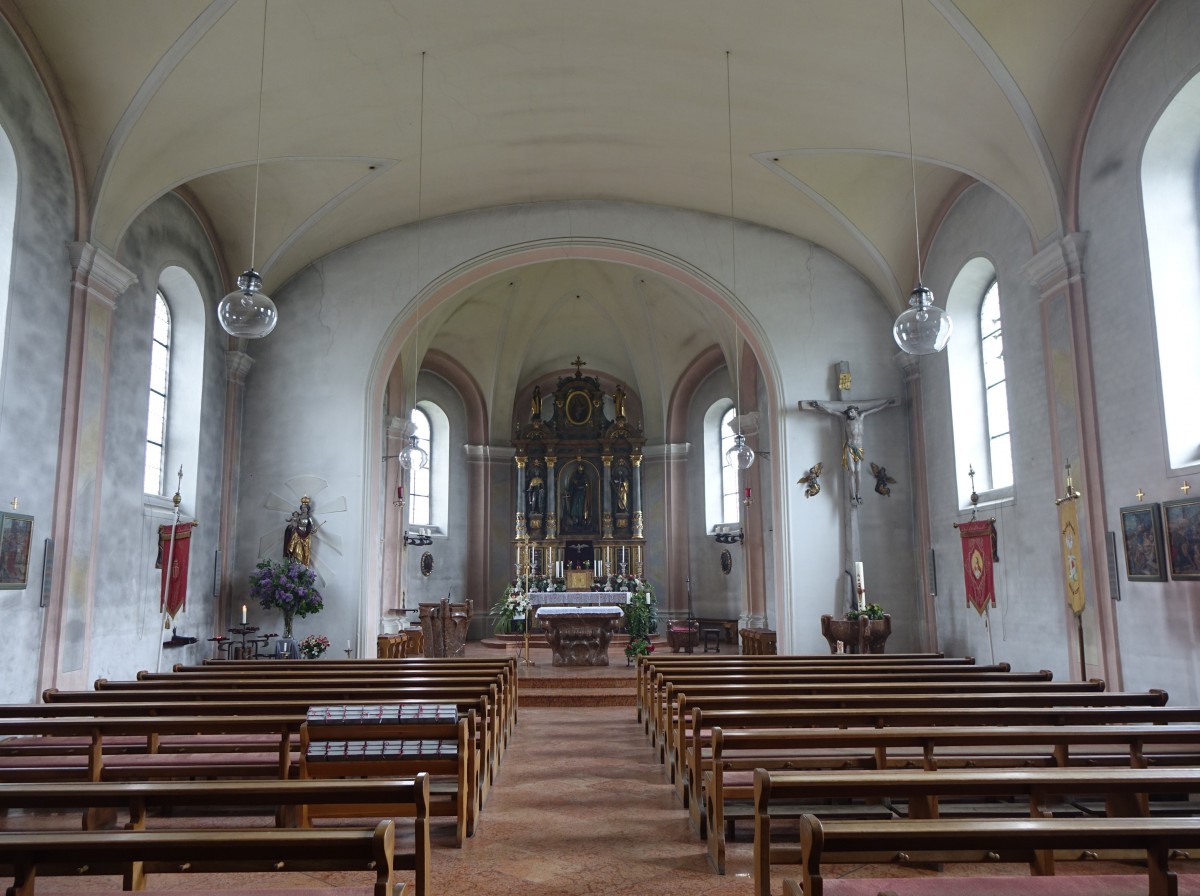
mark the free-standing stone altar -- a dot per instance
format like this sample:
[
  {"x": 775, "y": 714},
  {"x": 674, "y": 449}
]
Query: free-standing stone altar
[
  {"x": 578, "y": 508},
  {"x": 579, "y": 636}
]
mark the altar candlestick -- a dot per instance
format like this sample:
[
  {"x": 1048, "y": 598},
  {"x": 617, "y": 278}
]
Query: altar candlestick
[
  {"x": 243, "y": 614},
  {"x": 860, "y": 585}
]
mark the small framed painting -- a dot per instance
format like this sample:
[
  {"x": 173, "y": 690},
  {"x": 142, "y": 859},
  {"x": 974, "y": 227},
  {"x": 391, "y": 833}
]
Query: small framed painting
[
  {"x": 1141, "y": 528},
  {"x": 1183, "y": 537},
  {"x": 16, "y": 534}
]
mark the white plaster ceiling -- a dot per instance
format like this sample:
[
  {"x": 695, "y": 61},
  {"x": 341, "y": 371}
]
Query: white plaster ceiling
[{"x": 539, "y": 100}]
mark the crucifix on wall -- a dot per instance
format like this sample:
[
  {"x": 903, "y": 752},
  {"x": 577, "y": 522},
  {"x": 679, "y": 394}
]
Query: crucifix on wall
[{"x": 851, "y": 414}]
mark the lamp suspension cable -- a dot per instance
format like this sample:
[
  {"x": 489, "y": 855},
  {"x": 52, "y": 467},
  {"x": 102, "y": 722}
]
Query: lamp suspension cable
[
  {"x": 740, "y": 454},
  {"x": 247, "y": 312},
  {"x": 413, "y": 456},
  {"x": 923, "y": 329}
]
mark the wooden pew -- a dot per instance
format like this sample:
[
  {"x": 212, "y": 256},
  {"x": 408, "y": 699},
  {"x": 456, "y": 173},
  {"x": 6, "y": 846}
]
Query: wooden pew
[
  {"x": 928, "y": 748},
  {"x": 982, "y": 839},
  {"x": 350, "y": 741},
  {"x": 699, "y": 764},
  {"x": 778, "y": 794},
  {"x": 27, "y": 855},
  {"x": 289, "y": 800},
  {"x": 303, "y": 694}
]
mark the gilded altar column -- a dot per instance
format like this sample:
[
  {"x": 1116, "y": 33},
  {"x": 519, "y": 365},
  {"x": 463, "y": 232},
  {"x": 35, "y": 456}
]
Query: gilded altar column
[
  {"x": 551, "y": 499},
  {"x": 519, "y": 521},
  {"x": 606, "y": 517},
  {"x": 637, "y": 496}
]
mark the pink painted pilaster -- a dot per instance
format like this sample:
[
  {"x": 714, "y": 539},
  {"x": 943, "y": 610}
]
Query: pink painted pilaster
[
  {"x": 1057, "y": 271},
  {"x": 916, "y": 416},
  {"x": 96, "y": 282},
  {"x": 237, "y": 366}
]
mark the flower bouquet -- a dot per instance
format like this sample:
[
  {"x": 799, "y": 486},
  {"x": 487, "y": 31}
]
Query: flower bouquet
[
  {"x": 515, "y": 604},
  {"x": 638, "y": 647},
  {"x": 288, "y": 586},
  {"x": 313, "y": 646}
]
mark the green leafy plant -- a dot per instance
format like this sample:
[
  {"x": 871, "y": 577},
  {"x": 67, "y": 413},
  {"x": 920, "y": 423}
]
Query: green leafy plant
[
  {"x": 514, "y": 604},
  {"x": 871, "y": 611}
]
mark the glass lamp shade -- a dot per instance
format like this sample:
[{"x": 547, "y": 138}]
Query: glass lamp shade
[
  {"x": 413, "y": 456},
  {"x": 740, "y": 455},
  {"x": 247, "y": 312},
  {"x": 924, "y": 329}
]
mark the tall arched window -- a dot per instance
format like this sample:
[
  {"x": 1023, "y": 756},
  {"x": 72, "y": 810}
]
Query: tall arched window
[
  {"x": 1171, "y": 203},
  {"x": 979, "y": 386},
  {"x": 729, "y": 472},
  {"x": 422, "y": 477},
  {"x": 991, "y": 340},
  {"x": 156, "y": 414}
]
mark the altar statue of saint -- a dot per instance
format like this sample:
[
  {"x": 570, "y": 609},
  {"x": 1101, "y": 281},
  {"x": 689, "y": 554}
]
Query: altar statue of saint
[
  {"x": 852, "y": 445},
  {"x": 620, "y": 487},
  {"x": 536, "y": 490},
  {"x": 535, "y": 405},
  {"x": 297, "y": 536},
  {"x": 619, "y": 402},
  {"x": 577, "y": 500}
]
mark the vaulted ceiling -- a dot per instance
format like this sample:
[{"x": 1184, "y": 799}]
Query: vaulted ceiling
[{"x": 540, "y": 100}]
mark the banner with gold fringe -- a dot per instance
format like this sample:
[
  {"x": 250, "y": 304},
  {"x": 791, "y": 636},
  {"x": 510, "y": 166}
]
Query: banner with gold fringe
[
  {"x": 1072, "y": 554},
  {"x": 172, "y": 594},
  {"x": 979, "y": 547}
]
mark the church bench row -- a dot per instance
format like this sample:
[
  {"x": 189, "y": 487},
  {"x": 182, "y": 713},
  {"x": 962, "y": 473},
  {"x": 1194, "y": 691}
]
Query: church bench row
[
  {"x": 649, "y": 664},
  {"x": 303, "y": 694},
  {"x": 658, "y": 680},
  {"x": 896, "y": 684},
  {"x": 135, "y": 854},
  {"x": 994, "y": 839},
  {"x": 782, "y": 795},
  {"x": 288, "y": 800},
  {"x": 704, "y": 804},
  {"x": 737, "y": 756},
  {"x": 227, "y": 742}
]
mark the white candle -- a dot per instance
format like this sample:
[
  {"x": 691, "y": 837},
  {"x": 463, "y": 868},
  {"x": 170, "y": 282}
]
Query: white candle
[
  {"x": 348, "y": 644},
  {"x": 243, "y": 614},
  {"x": 860, "y": 585}
]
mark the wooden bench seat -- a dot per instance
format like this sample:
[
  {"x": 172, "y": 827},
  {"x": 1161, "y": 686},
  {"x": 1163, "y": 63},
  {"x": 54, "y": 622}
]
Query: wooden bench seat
[
  {"x": 783, "y": 795},
  {"x": 354, "y": 741},
  {"x": 134, "y": 854},
  {"x": 696, "y": 754},
  {"x": 737, "y": 756},
  {"x": 1025, "y": 840}
]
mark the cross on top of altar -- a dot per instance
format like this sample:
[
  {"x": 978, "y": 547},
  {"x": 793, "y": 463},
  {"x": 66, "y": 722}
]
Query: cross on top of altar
[{"x": 578, "y": 365}]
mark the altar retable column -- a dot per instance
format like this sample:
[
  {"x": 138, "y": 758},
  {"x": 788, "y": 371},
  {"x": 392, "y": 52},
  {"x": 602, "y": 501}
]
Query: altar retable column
[
  {"x": 519, "y": 520},
  {"x": 97, "y": 279},
  {"x": 638, "y": 525},
  {"x": 551, "y": 499},
  {"x": 606, "y": 508}
]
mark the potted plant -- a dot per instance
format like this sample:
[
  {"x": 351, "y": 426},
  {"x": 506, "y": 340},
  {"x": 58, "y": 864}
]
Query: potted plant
[
  {"x": 314, "y": 646},
  {"x": 640, "y": 619},
  {"x": 289, "y": 586},
  {"x": 514, "y": 605}
]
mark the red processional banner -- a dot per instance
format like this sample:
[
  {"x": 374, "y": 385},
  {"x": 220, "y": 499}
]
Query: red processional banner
[
  {"x": 979, "y": 553},
  {"x": 172, "y": 594}
]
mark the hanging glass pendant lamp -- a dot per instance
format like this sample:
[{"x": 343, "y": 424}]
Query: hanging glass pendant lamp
[
  {"x": 248, "y": 312},
  {"x": 924, "y": 328}
]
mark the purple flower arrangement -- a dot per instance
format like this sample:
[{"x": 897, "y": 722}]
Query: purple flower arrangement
[{"x": 288, "y": 586}]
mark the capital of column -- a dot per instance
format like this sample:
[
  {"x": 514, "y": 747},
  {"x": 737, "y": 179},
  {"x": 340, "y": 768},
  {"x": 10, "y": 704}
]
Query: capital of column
[
  {"x": 237, "y": 366},
  {"x": 1058, "y": 266},
  {"x": 98, "y": 273},
  {"x": 607, "y": 459},
  {"x": 520, "y": 460}
]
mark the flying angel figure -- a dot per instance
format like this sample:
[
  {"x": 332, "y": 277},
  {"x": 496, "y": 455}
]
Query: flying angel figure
[
  {"x": 810, "y": 479},
  {"x": 882, "y": 480}
]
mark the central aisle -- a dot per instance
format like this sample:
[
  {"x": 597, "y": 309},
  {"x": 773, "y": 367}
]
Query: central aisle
[{"x": 581, "y": 807}]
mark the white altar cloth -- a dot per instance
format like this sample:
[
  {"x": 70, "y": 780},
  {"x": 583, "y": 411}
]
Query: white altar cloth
[
  {"x": 580, "y": 611},
  {"x": 578, "y": 598}
]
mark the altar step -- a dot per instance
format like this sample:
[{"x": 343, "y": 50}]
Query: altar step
[{"x": 592, "y": 690}]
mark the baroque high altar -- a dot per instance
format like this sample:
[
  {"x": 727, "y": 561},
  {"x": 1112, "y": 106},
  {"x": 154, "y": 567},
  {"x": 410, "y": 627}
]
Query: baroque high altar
[{"x": 579, "y": 484}]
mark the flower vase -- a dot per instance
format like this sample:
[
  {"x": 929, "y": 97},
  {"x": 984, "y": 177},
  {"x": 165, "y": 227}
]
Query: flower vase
[{"x": 287, "y": 624}]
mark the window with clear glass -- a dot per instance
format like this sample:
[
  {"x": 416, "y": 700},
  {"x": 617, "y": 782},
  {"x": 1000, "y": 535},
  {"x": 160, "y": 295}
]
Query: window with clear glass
[
  {"x": 156, "y": 414},
  {"x": 991, "y": 340},
  {"x": 729, "y": 471},
  {"x": 420, "y": 488}
]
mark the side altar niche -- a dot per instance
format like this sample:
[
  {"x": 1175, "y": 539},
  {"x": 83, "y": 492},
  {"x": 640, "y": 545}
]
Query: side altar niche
[{"x": 578, "y": 507}]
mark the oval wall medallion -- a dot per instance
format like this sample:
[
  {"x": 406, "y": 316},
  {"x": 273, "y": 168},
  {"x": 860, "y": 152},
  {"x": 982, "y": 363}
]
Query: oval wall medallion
[
  {"x": 426, "y": 563},
  {"x": 726, "y": 562}
]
